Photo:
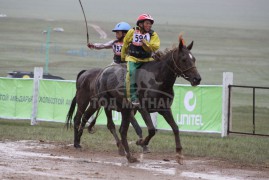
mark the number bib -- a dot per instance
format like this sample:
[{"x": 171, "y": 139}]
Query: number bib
[
  {"x": 138, "y": 37},
  {"x": 117, "y": 48}
]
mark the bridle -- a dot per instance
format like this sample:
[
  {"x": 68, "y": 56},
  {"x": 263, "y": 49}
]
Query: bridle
[{"x": 182, "y": 72}]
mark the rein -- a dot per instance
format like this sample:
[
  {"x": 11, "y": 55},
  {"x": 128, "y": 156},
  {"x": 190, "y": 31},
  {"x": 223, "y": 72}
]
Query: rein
[{"x": 182, "y": 72}]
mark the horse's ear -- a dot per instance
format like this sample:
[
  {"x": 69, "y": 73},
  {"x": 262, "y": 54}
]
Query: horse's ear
[
  {"x": 190, "y": 46},
  {"x": 180, "y": 46},
  {"x": 181, "y": 41}
]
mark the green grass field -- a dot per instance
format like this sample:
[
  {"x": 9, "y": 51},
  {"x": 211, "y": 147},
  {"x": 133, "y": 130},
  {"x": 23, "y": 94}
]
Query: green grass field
[
  {"x": 217, "y": 49},
  {"x": 245, "y": 150}
]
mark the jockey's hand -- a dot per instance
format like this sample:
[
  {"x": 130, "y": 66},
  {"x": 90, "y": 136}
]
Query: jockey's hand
[
  {"x": 144, "y": 42},
  {"x": 90, "y": 45}
]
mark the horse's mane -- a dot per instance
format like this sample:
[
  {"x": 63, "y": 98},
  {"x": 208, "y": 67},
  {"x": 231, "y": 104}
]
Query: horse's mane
[{"x": 159, "y": 55}]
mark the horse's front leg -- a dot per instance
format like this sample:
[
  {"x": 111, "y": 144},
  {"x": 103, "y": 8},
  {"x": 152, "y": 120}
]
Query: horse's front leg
[
  {"x": 138, "y": 131},
  {"x": 151, "y": 129},
  {"x": 135, "y": 125},
  {"x": 123, "y": 131},
  {"x": 168, "y": 116}
]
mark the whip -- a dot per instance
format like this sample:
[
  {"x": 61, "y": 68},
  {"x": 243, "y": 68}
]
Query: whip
[{"x": 85, "y": 21}]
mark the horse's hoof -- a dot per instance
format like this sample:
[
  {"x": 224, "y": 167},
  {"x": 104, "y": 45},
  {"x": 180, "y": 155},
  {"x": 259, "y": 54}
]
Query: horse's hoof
[
  {"x": 132, "y": 159},
  {"x": 179, "y": 159},
  {"x": 91, "y": 130},
  {"x": 77, "y": 146},
  {"x": 121, "y": 151},
  {"x": 145, "y": 149},
  {"x": 140, "y": 142}
]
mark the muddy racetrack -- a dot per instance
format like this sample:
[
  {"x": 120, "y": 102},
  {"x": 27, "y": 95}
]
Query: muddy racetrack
[{"x": 49, "y": 160}]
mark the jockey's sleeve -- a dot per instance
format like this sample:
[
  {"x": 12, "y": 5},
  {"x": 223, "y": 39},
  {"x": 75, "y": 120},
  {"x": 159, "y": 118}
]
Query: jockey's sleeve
[
  {"x": 107, "y": 45},
  {"x": 126, "y": 42},
  {"x": 154, "y": 43}
]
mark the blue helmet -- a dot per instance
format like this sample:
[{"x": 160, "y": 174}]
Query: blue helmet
[{"x": 122, "y": 26}]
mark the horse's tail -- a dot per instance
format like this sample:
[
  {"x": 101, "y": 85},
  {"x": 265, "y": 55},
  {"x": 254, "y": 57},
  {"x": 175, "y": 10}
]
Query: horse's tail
[
  {"x": 70, "y": 113},
  {"x": 73, "y": 106},
  {"x": 79, "y": 74}
]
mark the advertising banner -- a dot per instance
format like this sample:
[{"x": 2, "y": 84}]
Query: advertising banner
[
  {"x": 194, "y": 108},
  {"x": 16, "y": 98},
  {"x": 54, "y": 99}
]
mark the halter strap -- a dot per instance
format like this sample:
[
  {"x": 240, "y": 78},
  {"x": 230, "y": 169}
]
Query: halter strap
[{"x": 178, "y": 68}]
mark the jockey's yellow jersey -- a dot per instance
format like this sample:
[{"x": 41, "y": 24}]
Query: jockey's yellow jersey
[{"x": 134, "y": 50}]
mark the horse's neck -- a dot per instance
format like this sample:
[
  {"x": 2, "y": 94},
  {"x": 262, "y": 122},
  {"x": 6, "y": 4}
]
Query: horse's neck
[
  {"x": 167, "y": 74},
  {"x": 163, "y": 71}
]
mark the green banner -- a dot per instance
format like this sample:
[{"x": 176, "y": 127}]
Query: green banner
[
  {"x": 194, "y": 108},
  {"x": 198, "y": 108},
  {"x": 54, "y": 99},
  {"x": 16, "y": 98}
]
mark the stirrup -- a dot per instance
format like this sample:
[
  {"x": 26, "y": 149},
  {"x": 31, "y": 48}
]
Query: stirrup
[{"x": 135, "y": 102}]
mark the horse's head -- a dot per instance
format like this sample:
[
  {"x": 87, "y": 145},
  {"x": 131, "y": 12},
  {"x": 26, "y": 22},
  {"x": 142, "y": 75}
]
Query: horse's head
[{"x": 184, "y": 63}]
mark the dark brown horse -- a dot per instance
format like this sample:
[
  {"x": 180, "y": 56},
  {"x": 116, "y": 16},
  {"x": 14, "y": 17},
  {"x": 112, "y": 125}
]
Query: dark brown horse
[
  {"x": 85, "y": 88},
  {"x": 155, "y": 82}
]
